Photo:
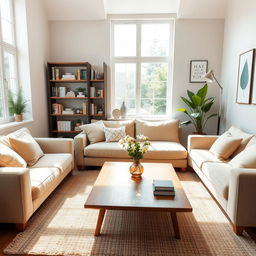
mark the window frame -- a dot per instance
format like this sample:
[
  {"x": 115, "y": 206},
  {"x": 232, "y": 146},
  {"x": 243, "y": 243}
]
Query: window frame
[
  {"x": 138, "y": 60},
  {"x": 11, "y": 49}
]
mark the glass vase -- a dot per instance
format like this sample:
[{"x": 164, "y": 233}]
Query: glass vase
[{"x": 136, "y": 169}]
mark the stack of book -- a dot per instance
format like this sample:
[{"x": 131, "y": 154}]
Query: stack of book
[
  {"x": 68, "y": 76},
  {"x": 64, "y": 125},
  {"x": 163, "y": 188}
]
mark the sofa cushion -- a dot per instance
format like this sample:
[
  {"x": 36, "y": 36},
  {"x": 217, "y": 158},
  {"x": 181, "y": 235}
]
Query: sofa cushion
[
  {"x": 9, "y": 158},
  {"x": 201, "y": 156},
  {"x": 94, "y": 131},
  {"x": 218, "y": 174},
  {"x": 114, "y": 134},
  {"x": 225, "y": 146},
  {"x": 245, "y": 159},
  {"x": 159, "y": 131},
  {"x": 129, "y": 126},
  {"x": 166, "y": 150},
  {"x": 158, "y": 150},
  {"x": 61, "y": 161},
  {"x": 26, "y": 146},
  {"x": 41, "y": 179},
  {"x": 246, "y": 137}
]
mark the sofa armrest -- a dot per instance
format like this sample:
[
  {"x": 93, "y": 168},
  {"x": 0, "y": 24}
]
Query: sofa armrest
[
  {"x": 15, "y": 195},
  {"x": 81, "y": 141},
  {"x": 241, "y": 206},
  {"x": 201, "y": 141}
]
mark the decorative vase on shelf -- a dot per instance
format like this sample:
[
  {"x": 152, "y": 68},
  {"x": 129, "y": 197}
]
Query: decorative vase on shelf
[
  {"x": 136, "y": 169},
  {"x": 123, "y": 110}
]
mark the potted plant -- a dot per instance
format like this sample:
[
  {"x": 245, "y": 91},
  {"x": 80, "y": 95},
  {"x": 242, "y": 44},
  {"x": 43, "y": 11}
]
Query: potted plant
[
  {"x": 81, "y": 90},
  {"x": 17, "y": 104},
  {"x": 198, "y": 106}
]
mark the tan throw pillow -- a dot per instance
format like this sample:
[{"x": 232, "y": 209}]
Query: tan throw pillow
[
  {"x": 26, "y": 146},
  {"x": 114, "y": 134},
  {"x": 9, "y": 158},
  {"x": 129, "y": 126},
  {"x": 246, "y": 137},
  {"x": 94, "y": 131},
  {"x": 159, "y": 131},
  {"x": 225, "y": 146},
  {"x": 245, "y": 159}
]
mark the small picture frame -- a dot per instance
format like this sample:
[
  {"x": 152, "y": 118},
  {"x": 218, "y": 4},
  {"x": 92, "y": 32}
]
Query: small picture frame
[
  {"x": 198, "y": 68},
  {"x": 245, "y": 77}
]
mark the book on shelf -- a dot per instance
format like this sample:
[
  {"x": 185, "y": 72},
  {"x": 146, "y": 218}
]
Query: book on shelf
[
  {"x": 64, "y": 125},
  {"x": 53, "y": 73},
  {"x": 164, "y": 193},
  {"x": 57, "y": 108},
  {"x": 84, "y": 108},
  {"x": 67, "y": 112},
  {"x": 100, "y": 93},
  {"x": 80, "y": 96},
  {"x": 62, "y": 92},
  {"x": 166, "y": 185},
  {"x": 68, "y": 77},
  {"x": 92, "y": 107}
]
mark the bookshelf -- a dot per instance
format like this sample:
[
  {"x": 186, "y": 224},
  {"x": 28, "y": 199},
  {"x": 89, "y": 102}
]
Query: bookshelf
[{"x": 65, "y": 107}]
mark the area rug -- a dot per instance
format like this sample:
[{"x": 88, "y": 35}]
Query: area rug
[{"x": 63, "y": 227}]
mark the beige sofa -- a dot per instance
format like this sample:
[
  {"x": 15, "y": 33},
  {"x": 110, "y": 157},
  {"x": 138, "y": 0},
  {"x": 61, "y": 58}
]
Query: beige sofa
[
  {"x": 23, "y": 190},
  {"x": 164, "y": 137},
  {"x": 233, "y": 188}
]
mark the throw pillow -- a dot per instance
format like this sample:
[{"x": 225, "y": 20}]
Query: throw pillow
[
  {"x": 9, "y": 158},
  {"x": 129, "y": 126},
  {"x": 246, "y": 137},
  {"x": 26, "y": 146},
  {"x": 159, "y": 131},
  {"x": 94, "y": 131},
  {"x": 245, "y": 159},
  {"x": 114, "y": 134},
  {"x": 225, "y": 146}
]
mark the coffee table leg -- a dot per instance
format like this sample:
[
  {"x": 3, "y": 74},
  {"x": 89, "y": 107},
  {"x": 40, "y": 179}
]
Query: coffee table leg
[
  {"x": 99, "y": 222},
  {"x": 175, "y": 225}
]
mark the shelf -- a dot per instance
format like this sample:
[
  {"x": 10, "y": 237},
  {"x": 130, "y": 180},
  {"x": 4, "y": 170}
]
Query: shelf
[
  {"x": 97, "y": 115},
  {"x": 69, "y": 98},
  {"x": 68, "y": 115},
  {"x": 96, "y": 98},
  {"x": 55, "y": 131},
  {"x": 69, "y": 81},
  {"x": 97, "y": 81},
  {"x": 63, "y": 64}
]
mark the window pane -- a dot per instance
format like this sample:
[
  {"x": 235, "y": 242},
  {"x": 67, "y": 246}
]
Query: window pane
[
  {"x": 6, "y": 20},
  {"x": 125, "y": 83},
  {"x": 9, "y": 70},
  {"x": 155, "y": 39},
  {"x": 153, "y": 88},
  {"x": 125, "y": 40}
]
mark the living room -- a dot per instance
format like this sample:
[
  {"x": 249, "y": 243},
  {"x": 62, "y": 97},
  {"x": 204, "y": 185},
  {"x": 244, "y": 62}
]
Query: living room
[{"x": 80, "y": 80}]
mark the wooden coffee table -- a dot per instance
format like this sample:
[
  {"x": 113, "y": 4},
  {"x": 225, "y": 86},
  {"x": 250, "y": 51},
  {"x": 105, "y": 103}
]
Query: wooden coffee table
[{"x": 115, "y": 190}]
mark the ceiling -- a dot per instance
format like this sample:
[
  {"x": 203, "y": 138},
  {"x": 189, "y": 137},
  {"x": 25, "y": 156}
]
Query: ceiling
[{"x": 99, "y": 9}]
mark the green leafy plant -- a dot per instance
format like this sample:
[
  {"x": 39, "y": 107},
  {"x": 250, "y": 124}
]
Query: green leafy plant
[
  {"x": 80, "y": 89},
  {"x": 16, "y": 102},
  {"x": 198, "y": 106}
]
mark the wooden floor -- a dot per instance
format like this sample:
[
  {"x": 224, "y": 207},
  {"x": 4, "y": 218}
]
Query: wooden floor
[{"x": 8, "y": 231}]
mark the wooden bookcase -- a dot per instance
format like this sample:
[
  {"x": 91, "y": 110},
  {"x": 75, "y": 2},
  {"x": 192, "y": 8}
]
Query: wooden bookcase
[{"x": 96, "y": 104}]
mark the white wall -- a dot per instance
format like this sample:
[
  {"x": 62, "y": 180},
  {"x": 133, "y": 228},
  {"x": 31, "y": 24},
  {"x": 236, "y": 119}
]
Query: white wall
[
  {"x": 196, "y": 39},
  {"x": 239, "y": 37}
]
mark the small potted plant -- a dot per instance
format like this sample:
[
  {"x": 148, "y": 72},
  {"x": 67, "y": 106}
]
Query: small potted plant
[
  {"x": 17, "y": 105},
  {"x": 80, "y": 91},
  {"x": 78, "y": 123}
]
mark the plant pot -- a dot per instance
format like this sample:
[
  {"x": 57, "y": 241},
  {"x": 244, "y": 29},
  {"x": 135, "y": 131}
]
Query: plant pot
[
  {"x": 136, "y": 169},
  {"x": 80, "y": 93},
  {"x": 18, "y": 117},
  {"x": 199, "y": 133}
]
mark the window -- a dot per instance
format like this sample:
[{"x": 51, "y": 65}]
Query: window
[
  {"x": 141, "y": 66},
  {"x": 8, "y": 59}
]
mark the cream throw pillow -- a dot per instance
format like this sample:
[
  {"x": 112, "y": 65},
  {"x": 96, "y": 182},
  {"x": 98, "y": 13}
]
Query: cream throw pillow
[
  {"x": 9, "y": 158},
  {"x": 129, "y": 126},
  {"x": 159, "y": 131},
  {"x": 26, "y": 146},
  {"x": 114, "y": 134},
  {"x": 94, "y": 131},
  {"x": 245, "y": 159},
  {"x": 225, "y": 146}
]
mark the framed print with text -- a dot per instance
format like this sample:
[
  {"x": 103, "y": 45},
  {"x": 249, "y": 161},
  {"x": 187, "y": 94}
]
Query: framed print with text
[{"x": 198, "y": 68}]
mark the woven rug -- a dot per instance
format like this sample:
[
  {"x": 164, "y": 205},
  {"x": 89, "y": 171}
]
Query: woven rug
[{"x": 63, "y": 227}]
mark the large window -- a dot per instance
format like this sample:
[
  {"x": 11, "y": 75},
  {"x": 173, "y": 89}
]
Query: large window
[
  {"x": 141, "y": 64},
  {"x": 8, "y": 60}
]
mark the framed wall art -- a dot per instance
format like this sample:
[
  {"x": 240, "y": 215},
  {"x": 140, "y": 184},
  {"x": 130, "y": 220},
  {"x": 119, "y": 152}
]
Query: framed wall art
[
  {"x": 244, "y": 83},
  {"x": 253, "y": 96},
  {"x": 198, "y": 68}
]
